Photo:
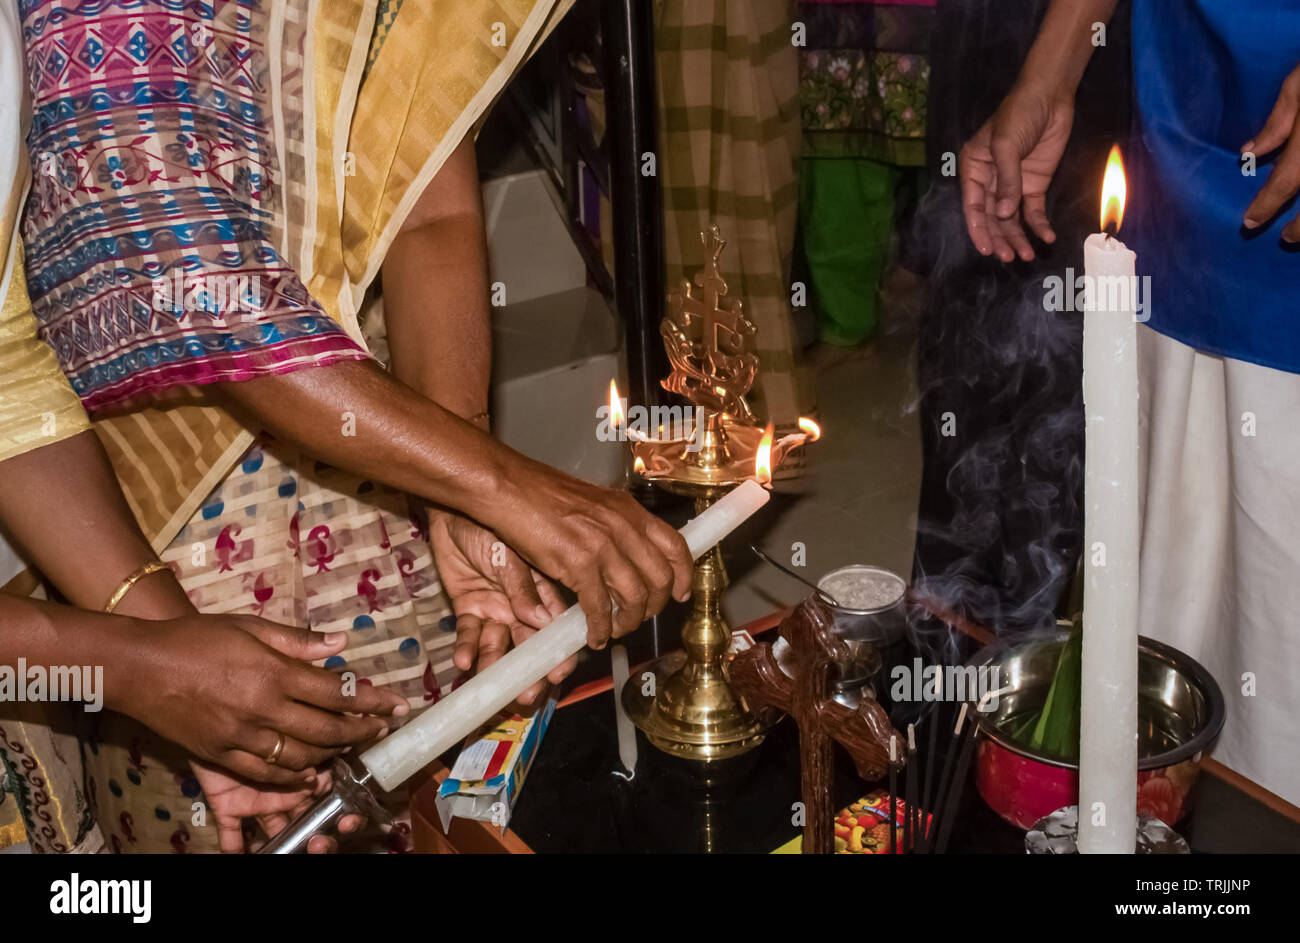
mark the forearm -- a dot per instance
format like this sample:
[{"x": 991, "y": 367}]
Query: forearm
[
  {"x": 62, "y": 506},
  {"x": 47, "y": 634},
  {"x": 435, "y": 279},
  {"x": 356, "y": 416},
  {"x": 1064, "y": 45},
  {"x": 436, "y": 307}
]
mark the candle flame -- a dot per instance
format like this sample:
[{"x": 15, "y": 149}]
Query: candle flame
[
  {"x": 763, "y": 457},
  {"x": 1114, "y": 191},
  {"x": 810, "y": 429},
  {"x": 638, "y": 466},
  {"x": 615, "y": 405}
]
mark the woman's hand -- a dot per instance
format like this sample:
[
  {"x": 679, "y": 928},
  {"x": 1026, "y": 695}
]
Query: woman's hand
[
  {"x": 598, "y": 542},
  {"x": 499, "y": 600},
  {"x": 1282, "y": 128},
  {"x": 1006, "y": 167},
  {"x": 232, "y": 800},
  {"x": 227, "y": 687}
]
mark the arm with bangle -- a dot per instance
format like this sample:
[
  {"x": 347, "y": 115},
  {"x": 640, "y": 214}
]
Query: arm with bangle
[{"x": 236, "y": 691}]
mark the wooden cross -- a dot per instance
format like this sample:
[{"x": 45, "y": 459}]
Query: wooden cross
[{"x": 822, "y": 721}]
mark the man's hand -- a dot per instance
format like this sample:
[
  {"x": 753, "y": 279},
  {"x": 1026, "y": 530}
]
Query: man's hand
[
  {"x": 497, "y": 597},
  {"x": 226, "y": 687},
  {"x": 598, "y": 542},
  {"x": 1282, "y": 128},
  {"x": 1006, "y": 168}
]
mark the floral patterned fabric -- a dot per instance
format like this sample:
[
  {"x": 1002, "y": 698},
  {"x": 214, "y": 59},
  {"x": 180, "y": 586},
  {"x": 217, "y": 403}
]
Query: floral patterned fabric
[
  {"x": 150, "y": 231},
  {"x": 864, "y": 75},
  {"x": 299, "y": 543}
]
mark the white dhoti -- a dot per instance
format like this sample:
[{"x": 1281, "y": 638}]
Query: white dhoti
[{"x": 1220, "y": 570}]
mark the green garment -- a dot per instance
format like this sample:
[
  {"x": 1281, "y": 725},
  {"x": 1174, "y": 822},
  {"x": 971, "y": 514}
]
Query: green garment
[{"x": 846, "y": 215}]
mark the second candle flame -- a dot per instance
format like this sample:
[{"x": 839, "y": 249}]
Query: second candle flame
[
  {"x": 615, "y": 406},
  {"x": 763, "y": 457}
]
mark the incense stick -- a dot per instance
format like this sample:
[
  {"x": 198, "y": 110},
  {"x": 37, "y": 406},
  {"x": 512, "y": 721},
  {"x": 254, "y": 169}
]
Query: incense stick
[
  {"x": 943, "y": 785},
  {"x": 910, "y": 819},
  {"x": 957, "y": 787},
  {"x": 893, "y": 794},
  {"x": 927, "y": 794}
]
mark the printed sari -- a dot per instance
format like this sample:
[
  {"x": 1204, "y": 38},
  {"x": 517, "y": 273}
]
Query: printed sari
[
  {"x": 216, "y": 187},
  {"x": 37, "y": 408}
]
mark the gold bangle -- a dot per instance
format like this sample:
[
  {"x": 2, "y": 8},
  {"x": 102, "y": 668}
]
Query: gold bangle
[{"x": 125, "y": 587}]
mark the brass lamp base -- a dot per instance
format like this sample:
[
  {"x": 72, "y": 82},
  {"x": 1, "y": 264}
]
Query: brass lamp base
[{"x": 690, "y": 711}]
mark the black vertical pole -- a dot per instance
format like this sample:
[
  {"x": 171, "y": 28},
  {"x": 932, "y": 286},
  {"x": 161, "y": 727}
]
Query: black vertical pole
[{"x": 632, "y": 110}]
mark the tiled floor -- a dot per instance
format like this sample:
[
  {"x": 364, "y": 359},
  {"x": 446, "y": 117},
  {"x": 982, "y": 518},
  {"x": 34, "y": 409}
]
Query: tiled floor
[{"x": 857, "y": 502}]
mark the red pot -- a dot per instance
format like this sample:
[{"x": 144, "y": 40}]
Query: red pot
[{"x": 1180, "y": 714}]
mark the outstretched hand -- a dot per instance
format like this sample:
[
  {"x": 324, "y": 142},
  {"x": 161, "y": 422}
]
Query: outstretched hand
[{"x": 1005, "y": 170}]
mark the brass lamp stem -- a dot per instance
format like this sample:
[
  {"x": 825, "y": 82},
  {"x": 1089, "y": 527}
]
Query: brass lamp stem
[
  {"x": 706, "y": 634},
  {"x": 693, "y": 712}
]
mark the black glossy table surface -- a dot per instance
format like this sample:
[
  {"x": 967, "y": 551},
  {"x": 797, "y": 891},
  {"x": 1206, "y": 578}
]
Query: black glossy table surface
[{"x": 572, "y": 800}]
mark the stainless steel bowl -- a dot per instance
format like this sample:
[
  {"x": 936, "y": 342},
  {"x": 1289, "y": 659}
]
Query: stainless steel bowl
[
  {"x": 1180, "y": 706},
  {"x": 1180, "y": 714}
]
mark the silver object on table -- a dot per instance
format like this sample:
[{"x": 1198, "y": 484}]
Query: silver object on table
[
  {"x": 349, "y": 795},
  {"x": 883, "y": 624},
  {"x": 1058, "y": 834}
]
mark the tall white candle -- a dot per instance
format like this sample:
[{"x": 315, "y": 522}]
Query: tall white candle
[
  {"x": 405, "y": 752},
  {"x": 1108, "y": 752}
]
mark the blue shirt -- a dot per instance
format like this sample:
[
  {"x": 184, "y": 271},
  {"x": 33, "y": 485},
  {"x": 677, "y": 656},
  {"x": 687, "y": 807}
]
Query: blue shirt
[{"x": 1207, "y": 74}]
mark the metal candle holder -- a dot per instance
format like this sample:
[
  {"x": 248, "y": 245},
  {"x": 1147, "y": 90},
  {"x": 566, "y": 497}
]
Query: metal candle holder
[
  {"x": 350, "y": 794},
  {"x": 691, "y": 710}
]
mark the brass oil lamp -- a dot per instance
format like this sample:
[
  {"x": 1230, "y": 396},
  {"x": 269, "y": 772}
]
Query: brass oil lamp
[{"x": 691, "y": 710}]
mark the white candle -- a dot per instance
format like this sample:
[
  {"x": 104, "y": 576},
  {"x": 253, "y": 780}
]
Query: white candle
[
  {"x": 618, "y": 672},
  {"x": 1108, "y": 753},
  {"x": 405, "y": 752}
]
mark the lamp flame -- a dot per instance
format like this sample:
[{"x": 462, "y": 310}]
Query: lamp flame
[
  {"x": 1114, "y": 191},
  {"x": 810, "y": 429},
  {"x": 638, "y": 466},
  {"x": 615, "y": 406},
  {"x": 763, "y": 457}
]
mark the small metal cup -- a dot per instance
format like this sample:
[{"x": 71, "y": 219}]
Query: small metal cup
[
  {"x": 881, "y": 625},
  {"x": 869, "y": 633}
]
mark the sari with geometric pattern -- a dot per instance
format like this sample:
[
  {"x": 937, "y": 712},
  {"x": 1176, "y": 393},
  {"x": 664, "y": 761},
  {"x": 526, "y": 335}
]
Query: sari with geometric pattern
[
  {"x": 37, "y": 408},
  {"x": 218, "y": 184}
]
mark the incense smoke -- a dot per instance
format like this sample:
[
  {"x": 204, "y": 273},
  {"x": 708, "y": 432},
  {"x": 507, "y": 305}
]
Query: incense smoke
[{"x": 1001, "y": 407}]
